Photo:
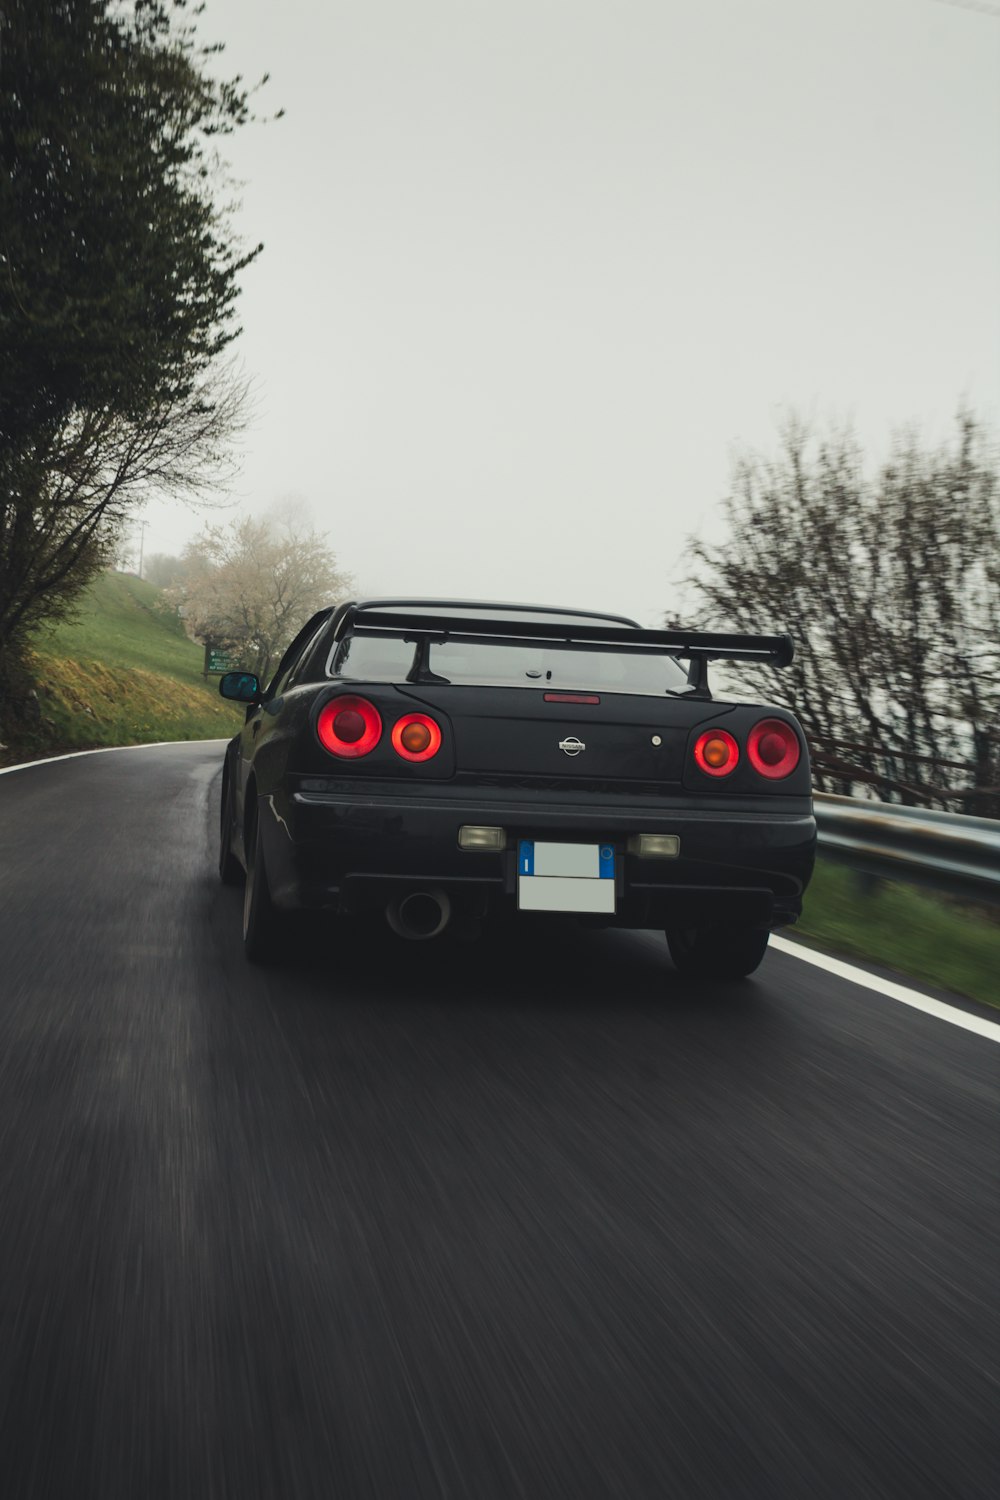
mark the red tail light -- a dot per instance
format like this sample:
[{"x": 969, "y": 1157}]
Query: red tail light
[
  {"x": 349, "y": 727},
  {"x": 773, "y": 749},
  {"x": 416, "y": 737},
  {"x": 716, "y": 752}
]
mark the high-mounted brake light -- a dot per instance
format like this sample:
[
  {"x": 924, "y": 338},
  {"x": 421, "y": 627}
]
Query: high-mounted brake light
[
  {"x": 773, "y": 749},
  {"x": 349, "y": 727},
  {"x": 716, "y": 752},
  {"x": 416, "y": 737},
  {"x": 571, "y": 698}
]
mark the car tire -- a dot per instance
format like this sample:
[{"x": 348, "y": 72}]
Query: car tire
[
  {"x": 230, "y": 869},
  {"x": 717, "y": 952},
  {"x": 263, "y": 925}
]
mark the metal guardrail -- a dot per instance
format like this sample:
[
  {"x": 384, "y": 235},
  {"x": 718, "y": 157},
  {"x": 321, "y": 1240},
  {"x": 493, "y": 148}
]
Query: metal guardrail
[{"x": 949, "y": 851}]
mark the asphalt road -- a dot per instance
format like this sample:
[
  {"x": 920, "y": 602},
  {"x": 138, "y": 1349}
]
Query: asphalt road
[{"x": 531, "y": 1219}]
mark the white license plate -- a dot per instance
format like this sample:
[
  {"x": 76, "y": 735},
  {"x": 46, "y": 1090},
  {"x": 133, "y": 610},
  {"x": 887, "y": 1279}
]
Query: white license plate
[{"x": 565, "y": 877}]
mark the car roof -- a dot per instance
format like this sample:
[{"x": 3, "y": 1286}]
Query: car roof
[{"x": 461, "y": 607}]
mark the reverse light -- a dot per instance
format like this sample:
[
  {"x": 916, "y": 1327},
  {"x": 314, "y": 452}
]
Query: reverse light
[
  {"x": 655, "y": 845},
  {"x": 349, "y": 727},
  {"x": 773, "y": 749},
  {"x": 716, "y": 752},
  {"x": 473, "y": 836},
  {"x": 416, "y": 737}
]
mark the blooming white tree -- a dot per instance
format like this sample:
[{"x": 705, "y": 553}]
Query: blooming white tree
[{"x": 250, "y": 586}]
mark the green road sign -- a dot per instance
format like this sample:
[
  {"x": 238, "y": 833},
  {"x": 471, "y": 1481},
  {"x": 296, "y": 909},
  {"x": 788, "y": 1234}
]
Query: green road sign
[{"x": 220, "y": 661}]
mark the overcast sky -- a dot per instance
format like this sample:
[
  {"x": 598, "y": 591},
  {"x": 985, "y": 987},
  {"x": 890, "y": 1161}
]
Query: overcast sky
[{"x": 533, "y": 267}]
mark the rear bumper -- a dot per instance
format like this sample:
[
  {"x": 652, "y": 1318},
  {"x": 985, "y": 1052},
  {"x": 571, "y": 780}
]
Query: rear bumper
[{"x": 351, "y": 852}]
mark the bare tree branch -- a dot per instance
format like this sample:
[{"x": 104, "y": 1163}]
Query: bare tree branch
[{"x": 891, "y": 588}]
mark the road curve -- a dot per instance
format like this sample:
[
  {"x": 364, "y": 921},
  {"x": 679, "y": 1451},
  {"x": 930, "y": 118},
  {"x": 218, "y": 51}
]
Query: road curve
[{"x": 535, "y": 1219}]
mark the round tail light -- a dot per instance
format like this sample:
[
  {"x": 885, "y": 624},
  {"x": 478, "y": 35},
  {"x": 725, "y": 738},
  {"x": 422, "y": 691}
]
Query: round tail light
[
  {"x": 716, "y": 752},
  {"x": 773, "y": 749},
  {"x": 416, "y": 737},
  {"x": 349, "y": 727}
]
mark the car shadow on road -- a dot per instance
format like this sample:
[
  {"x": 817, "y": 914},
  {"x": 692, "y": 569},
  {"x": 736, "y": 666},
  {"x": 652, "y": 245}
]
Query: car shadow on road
[
  {"x": 556, "y": 966},
  {"x": 507, "y": 1023}
]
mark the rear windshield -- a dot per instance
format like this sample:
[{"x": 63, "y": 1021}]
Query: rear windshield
[{"x": 510, "y": 664}]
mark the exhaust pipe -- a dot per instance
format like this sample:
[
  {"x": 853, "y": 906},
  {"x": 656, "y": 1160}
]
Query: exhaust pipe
[{"x": 420, "y": 915}]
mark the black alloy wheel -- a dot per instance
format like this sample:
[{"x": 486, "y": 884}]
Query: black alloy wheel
[{"x": 717, "y": 952}]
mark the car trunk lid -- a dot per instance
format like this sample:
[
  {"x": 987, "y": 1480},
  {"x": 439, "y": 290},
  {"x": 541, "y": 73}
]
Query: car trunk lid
[{"x": 519, "y": 732}]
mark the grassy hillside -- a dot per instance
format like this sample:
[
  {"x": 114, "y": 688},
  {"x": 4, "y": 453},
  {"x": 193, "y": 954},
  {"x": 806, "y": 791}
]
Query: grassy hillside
[{"x": 122, "y": 672}]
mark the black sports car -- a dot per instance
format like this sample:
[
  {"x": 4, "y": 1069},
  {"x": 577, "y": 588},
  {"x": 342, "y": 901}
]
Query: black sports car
[{"x": 457, "y": 763}]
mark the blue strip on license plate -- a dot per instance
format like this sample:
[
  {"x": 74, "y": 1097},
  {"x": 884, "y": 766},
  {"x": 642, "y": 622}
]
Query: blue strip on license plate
[{"x": 578, "y": 861}]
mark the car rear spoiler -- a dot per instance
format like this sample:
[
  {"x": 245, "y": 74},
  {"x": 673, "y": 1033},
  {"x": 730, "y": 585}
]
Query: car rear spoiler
[{"x": 697, "y": 646}]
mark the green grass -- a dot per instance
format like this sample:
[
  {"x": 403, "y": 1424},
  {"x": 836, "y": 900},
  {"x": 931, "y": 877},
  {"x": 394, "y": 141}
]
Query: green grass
[
  {"x": 122, "y": 672},
  {"x": 920, "y": 934},
  {"x": 123, "y": 622}
]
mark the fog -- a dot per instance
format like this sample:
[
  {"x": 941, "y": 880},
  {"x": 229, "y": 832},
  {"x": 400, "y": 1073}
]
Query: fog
[{"x": 533, "y": 269}]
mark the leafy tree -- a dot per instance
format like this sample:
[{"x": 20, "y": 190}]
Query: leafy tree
[
  {"x": 891, "y": 588},
  {"x": 249, "y": 587},
  {"x": 119, "y": 275}
]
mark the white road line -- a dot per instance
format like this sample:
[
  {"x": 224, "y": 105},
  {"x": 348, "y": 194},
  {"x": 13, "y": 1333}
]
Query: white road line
[
  {"x": 889, "y": 988},
  {"x": 47, "y": 760}
]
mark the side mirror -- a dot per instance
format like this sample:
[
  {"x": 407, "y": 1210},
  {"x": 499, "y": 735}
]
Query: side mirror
[{"x": 242, "y": 687}]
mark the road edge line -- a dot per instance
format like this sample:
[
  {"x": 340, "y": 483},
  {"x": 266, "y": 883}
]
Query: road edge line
[
  {"x": 889, "y": 988},
  {"x": 46, "y": 760}
]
